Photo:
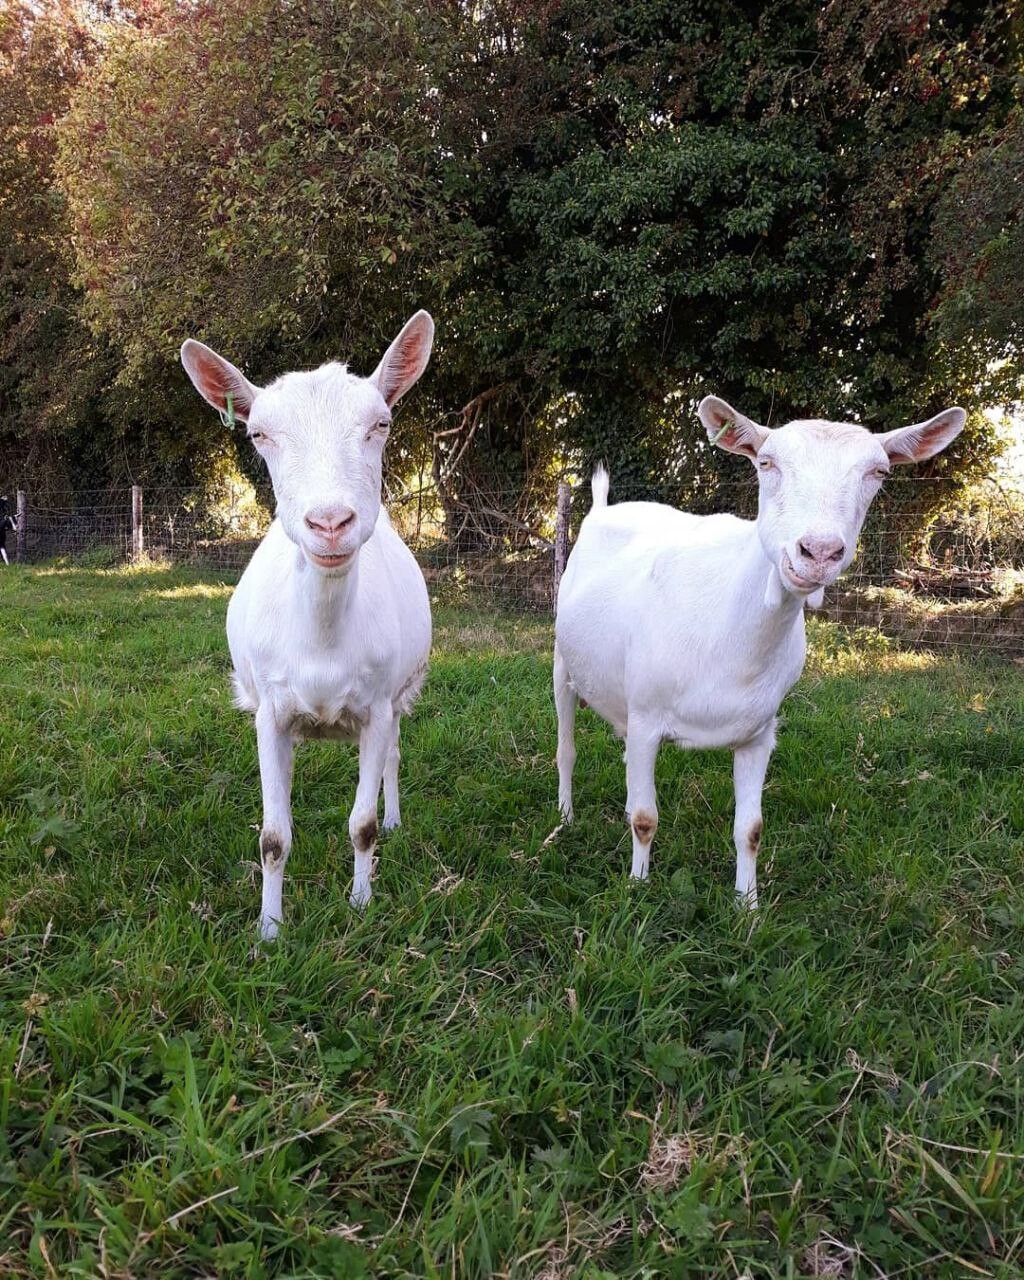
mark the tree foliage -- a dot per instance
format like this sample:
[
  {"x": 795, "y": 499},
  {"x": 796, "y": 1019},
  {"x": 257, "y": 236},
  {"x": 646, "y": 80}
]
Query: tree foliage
[
  {"x": 979, "y": 250},
  {"x": 728, "y": 197},
  {"x": 52, "y": 370},
  {"x": 256, "y": 175},
  {"x": 250, "y": 169},
  {"x": 611, "y": 206}
]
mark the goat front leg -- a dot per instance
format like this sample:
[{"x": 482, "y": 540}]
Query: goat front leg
[
  {"x": 276, "y": 752},
  {"x": 374, "y": 743},
  {"x": 749, "y": 766},
  {"x": 392, "y": 808},
  {"x": 642, "y": 743},
  {"x": 565, "y": 707}
]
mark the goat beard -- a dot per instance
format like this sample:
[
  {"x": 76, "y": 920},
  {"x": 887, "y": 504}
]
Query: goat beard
[{"x": 775, "y": 592}]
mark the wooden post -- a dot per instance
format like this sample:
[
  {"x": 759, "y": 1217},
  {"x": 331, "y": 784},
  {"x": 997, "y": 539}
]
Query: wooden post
[
  {"x": 561, "y": 537},
  {"x": 22, "y": 518},
  {"x": 137, "y": 541}
]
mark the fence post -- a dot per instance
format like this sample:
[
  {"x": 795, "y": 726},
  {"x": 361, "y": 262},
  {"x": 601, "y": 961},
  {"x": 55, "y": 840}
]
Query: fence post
[
  {"x": 561, "y": 537},
  {"x": 137, "y": 544},
  {"x": 22, "y": 518}
]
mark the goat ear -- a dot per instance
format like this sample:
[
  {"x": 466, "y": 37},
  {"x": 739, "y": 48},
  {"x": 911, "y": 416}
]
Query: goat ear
[
  {"x": 729, "y": 429},
  {"x": 406, "y": 358},
  {"x": 214, "y": 377},
  {"x": 924, "y": 439}
]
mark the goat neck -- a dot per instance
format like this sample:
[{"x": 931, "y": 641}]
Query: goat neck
[
  {"x": 761, "y": 605},
  {"x": 322, "y": 602}
]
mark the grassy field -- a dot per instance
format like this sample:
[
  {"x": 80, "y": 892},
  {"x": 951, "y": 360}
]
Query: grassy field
[{"x": 517, "y": 1063}]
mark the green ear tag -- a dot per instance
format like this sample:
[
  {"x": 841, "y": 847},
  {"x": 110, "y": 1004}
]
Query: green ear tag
[
  {"x": 227, "y": 416},
  {"x": 725, "y": 428}
]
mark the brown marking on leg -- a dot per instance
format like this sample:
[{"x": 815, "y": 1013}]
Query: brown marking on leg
[
  {"x": 365, "y": 837},
  {"x": 272, "y": 849},
  {"x": 754, "y": 837},
  {"x": 584, "y": 703},
  {"x": 644, "y": 825}
]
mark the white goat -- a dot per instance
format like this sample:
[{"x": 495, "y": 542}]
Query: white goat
[
  {"x": 691, "y": 628},
  {"x": 329, "y": 627}
]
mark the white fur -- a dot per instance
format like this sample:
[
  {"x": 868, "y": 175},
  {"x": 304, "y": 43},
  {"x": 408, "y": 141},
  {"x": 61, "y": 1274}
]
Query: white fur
[
  {"x": 691, "y": 628},
  {"x": 329, "y": 627}
]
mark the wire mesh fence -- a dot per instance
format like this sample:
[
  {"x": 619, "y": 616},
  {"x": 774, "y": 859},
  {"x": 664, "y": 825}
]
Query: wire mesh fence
[{"x": 937, "y": 566}]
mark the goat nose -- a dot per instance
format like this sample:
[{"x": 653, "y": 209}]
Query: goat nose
[
  {"x": 821, "y": 550},
  {"x": 330, "y": 521}
]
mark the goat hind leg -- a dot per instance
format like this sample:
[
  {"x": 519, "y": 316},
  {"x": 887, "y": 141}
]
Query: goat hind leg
[
  {"x": 565, "y": 707},
  {"x": 374, "y": 743},
  {"x": 750, "y": 764},
  {"x": 392, "y": 808},
  {"x": 642, "y": 743}
]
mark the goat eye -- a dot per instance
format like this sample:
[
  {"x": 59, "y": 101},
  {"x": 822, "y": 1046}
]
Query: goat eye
[
  {"x": 765, "y": 464},
  {"x": 881, "y": 472},
  {"x": 256, "y": 435}
]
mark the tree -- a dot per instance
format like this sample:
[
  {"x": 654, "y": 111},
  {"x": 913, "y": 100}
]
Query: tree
[
  {"x": 51, "y": 367},
  {"x": 978, "y": 249},
  {"x": 683, "y": 197},
  {"x": 611, "y": 207},
  {"x": 256, "y": 175}
]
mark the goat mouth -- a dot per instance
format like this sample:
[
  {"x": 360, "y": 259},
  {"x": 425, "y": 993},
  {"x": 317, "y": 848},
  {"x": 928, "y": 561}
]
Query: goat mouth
[
  {"x": 330, "y": 562},
  {"x": 797, "y": 579}
]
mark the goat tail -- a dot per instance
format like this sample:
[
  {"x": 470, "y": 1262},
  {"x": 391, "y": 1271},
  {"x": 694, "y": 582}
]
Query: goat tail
[{"x": 599, "y": 482}]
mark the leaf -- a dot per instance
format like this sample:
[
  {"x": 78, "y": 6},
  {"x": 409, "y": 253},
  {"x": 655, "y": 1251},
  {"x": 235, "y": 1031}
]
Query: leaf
[
  {"x": 57, "y": 829},
  {"x": 470, "y": 1130},
  {"x": 554, "y": 1158},
  {"x": 787, "y": 1081},
  {"x": 235, "y": 1256},
  {"x": 339, "y": 1062},
  {"x": 218, "y": 785},
  {"x": 681, "y": 884},
  {"x": 667, "y": 1060},
  {"x": 728, "y": 1043},
  {"x": 689, "y": 1217}
]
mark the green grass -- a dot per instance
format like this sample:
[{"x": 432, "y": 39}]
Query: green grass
[{"x": 516, "y": 1063}]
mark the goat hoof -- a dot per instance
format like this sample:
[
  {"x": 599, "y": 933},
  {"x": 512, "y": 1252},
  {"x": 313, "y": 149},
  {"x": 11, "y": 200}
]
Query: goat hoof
[
  {"x": 359, "y": 897},
  {"x": 391, "y": 824},
  {"x": 268, "y": 930}
]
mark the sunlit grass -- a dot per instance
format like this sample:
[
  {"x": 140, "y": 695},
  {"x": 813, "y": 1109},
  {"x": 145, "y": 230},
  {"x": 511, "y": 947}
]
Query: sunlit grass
[{"x": 193, "y": 591}]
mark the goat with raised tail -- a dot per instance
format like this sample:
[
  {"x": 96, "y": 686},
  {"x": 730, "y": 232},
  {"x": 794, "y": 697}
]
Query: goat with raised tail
[
  {"x": 691, "y": 628},
  {"x": 329, "y": 627}
]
